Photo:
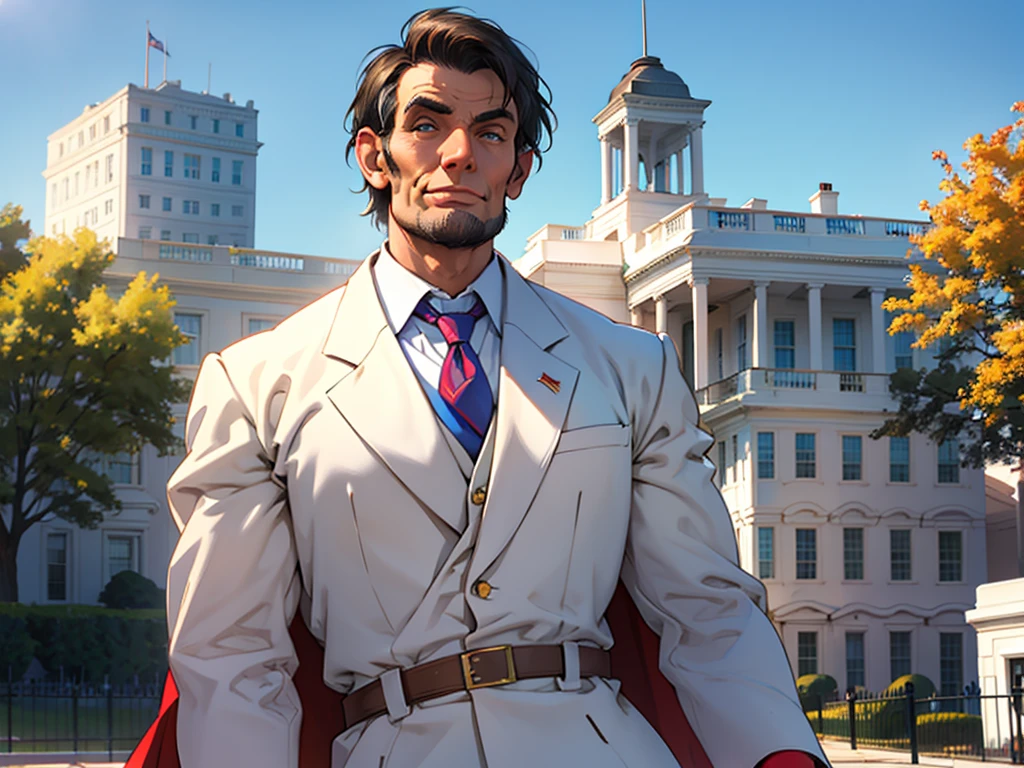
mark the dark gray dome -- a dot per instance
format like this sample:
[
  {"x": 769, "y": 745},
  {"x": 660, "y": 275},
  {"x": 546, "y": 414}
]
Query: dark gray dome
[{"x": 647, "y": 76}]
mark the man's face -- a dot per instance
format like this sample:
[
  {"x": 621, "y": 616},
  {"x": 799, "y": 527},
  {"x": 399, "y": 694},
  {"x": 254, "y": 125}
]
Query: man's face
[{"x": 453, "y": 157}]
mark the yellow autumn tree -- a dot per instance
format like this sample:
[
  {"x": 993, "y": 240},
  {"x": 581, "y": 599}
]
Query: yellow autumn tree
[
  {"x": 81, "y": 374},
  {"x": 971, "y": 307}
]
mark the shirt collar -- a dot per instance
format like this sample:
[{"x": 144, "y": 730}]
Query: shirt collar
[{"x": 400, "y": 290}]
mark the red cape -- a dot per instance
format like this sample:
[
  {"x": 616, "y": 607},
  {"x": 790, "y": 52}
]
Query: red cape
[{"x": 634, "y": 662}]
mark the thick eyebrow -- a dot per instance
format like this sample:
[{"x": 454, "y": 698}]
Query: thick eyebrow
[
  {"x": 427, "y": 103},
  {"x": 494, "y": 114}
]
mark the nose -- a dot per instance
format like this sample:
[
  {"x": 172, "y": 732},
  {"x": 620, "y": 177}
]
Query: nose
[{"x": 457, "y": 152}]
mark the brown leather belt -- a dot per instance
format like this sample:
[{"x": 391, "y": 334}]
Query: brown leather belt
[{"x": 480, "y": 668}]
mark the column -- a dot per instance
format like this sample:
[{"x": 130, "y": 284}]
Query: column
[
  {"x": 668, "y": 174},
  {"x": 606, "y": 170},
  {"x": 651, "y": 165},
  {"x": 631, "y": 154},
  {"x": 699, "y": 294},
  {"x": 761, "y": 324},
  {"x": 697, "y": 161},
  {"x": 636, "y": 317},
  {"x": 814, "y": 323},
  {"x": 660, "y": 314},
  {"x": 877, "y": 330},
  {"x": 680, "y": 179}
]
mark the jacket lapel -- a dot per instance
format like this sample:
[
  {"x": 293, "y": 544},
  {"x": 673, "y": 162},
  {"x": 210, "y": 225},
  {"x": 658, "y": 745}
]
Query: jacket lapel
[
  {"x": 530, "y": 415},
  {"x": 382, "y": 400}
]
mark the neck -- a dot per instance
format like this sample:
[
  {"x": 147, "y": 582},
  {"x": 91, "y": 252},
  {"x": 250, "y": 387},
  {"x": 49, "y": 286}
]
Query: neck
[{"x": 450, "y": 269}]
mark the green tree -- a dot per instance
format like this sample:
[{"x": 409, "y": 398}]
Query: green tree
[
  {"x": 80, "y": 374},
  {"x": 971, "y": 305},
  {"x": 12, "y": 231}
]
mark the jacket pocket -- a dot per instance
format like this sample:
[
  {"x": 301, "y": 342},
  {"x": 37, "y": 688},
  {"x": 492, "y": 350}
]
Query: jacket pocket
[{"x": 597, "y": 436}]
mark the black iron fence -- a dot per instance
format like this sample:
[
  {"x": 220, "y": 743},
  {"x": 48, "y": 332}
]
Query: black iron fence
[
  {"x": 68, "y": 716},
  {"x": 987, "y": 727}
]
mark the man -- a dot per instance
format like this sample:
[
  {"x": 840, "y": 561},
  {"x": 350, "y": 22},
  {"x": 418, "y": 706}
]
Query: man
[{"x": 445, "y": 471}]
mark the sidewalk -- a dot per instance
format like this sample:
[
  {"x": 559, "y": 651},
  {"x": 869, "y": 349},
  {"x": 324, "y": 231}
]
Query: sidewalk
[{"x": 840, "y": 754}]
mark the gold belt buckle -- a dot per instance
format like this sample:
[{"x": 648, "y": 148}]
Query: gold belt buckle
[{"x": 470, "y": 676}]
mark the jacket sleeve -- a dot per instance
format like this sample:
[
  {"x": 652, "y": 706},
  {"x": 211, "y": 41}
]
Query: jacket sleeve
[
  {"x": 232, "y": 588},
  {"x": 718, "y": 648}
]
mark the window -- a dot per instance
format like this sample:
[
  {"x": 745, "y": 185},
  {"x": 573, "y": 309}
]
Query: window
[
  {"x": 735, "y": 458},
  {"x": 215, "y": 209},
  {"x": 190, "y": 207},
  {"x": 854, "y": 659},
  {"x": 190, "y": 237},
  {"x": 145, "y": 233},
  {"x": 167, "y": 117},
  {"x": 805, "y": 455},
  {"x": 852, "y": 457},
  {"x": 56, "y": 566},
  {"x": 88, "y": 174},
  {"x": 950, "y": 556},
  {"x": 741, "y": 343},
  {"x": 165, "y": 234},
  {"x": 110, "y": 167},
  {"x": 53, "y": 195},
  {"x": 844, "y": 346},
  {"x": 95, "y": 174},
  {"x": 76, "y": 183},
  {"x": 720, "y": 347},
  {"x": 61, "y": 149},
  {"x": 92, "y": 131},
  {"x": 167, "y": 204},
  {"x": 853, "y": 554},
  {"x": 67, "y": 194},
  {"x": 899, "y": 655},
  {"x": 215, "y": 172},
  {"x": 806, "y": 653},
  {"x": 765, "y": 455},
  {"x": 81, "y": 139},
  {"x": 806, "y": 553},
  {"x": 236, "y": 172},
  {"x": 899, "y": 554},
  {"x": 236, "y": 210},
  {"x": 951, "y": 663},
  {"x": 123, "y": 468},
  {"x": 143, "y": 201},
  {"x": 259, "y": 324},
  {"x": 168, "y": 163},
  {"x": 122, "y": 553},
  {"x": 721, "y": 463},
  {"x": 899, "y": 459},
  {"x": 765, "y": 552},
  {"x": 191, "y": 326},
  {"x": 106, "y": 124},
  {"x": 191, "y": 166},
  {"x": 108, "y": 207},
  {"x": 216, "y": 125},
  {"x": 211, "y": 240},
  {"x": 785, "y": 344},
  {"x": 144, "y": 115},
  {"x": 192, "y": 120},
  {"x": 240, "y": 130},
  {"x": 949, "y": 461}
]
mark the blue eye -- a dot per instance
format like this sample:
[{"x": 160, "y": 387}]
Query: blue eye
[{"x": 416, "y": 128}]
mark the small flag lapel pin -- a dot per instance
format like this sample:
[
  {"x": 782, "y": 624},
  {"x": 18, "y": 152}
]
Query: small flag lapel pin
[{"x": 550, "y": 383}]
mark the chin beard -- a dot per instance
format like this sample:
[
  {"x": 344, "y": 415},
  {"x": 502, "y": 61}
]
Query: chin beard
[{"x": 457, "y": 230}]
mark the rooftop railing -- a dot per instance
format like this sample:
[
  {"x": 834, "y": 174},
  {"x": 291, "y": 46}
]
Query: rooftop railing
[{"x": 758, "y": 379}]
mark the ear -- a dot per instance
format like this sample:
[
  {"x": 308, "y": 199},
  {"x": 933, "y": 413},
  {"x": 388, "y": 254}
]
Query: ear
[
  {"x": 524, "y": 164},
  {"x": 370, "y": 156}
]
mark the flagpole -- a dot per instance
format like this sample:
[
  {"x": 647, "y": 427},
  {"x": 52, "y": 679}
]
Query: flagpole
[
  {"x": 146, "y": 84},
  {"x": 166, "y": 47}
]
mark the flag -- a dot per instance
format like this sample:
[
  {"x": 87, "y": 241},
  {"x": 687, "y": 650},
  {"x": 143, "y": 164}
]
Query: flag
[{"x": 154, "y": 43}]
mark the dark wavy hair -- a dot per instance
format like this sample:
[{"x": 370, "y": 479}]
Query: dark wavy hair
[{"x": 446, "y": 38}]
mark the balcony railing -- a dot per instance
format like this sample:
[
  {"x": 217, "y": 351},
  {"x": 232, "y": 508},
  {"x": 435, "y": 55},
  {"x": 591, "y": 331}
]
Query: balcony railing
[
  {"x": 790, "y": 223},
  {"x": 770, "y": 379},
  {"x": 844, "y": 226},
  {"x": 903, "y": 228},
  {"x": 729, "y": 220}
]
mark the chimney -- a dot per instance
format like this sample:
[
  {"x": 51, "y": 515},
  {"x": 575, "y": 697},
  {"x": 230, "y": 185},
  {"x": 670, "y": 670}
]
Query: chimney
[
  {"x": 756, "y": 204},
  {"x": 825, "y": 200},
  {"x": 228, "y": 99}
]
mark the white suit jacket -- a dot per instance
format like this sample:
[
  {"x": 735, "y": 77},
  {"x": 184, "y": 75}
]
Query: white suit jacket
[{"x": 318, "y": 476}]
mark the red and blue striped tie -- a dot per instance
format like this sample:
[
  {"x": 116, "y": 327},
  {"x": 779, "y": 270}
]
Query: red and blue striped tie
[{"x": 465, "y": 403}]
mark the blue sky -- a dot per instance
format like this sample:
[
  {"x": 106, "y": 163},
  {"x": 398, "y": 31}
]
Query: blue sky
[{"x": 802, "y": 92}]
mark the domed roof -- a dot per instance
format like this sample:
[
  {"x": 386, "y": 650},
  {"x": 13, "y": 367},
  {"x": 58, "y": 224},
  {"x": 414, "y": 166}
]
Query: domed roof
[{"x": 649, "y": 77}]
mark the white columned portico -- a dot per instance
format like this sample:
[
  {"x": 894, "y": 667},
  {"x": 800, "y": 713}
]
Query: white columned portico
[
  {"x": 631, "y": 153},
  {"x": 877, "y": 330},
  {"x": 606, "y": 170},
  {"x": 699, "y": 295},
  {"x": 814, "y": 323},
  {"x": 697, "y": 161},
  {"x": 680, "y": 178},
  {"x": 761, "y": 324},
  {"x": 636, "y": 316},
  {"x": 660, "y": 314}
]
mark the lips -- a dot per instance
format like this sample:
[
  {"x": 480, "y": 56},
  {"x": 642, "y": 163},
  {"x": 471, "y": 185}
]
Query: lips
[{"x": 454, "y": 193}]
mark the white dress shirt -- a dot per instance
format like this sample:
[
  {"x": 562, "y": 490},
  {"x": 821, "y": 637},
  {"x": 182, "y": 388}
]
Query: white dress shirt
[{"x": 423, "y": 344}]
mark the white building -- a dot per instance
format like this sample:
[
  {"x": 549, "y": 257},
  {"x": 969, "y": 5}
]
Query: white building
[
  {"x": 870, "y": 550},
  {"x": 156, "y": 164}
]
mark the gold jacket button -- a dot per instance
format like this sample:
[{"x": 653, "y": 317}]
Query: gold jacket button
[
  {"x": 482, "y": 589},
  {"x": 479, "y": 495}
]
